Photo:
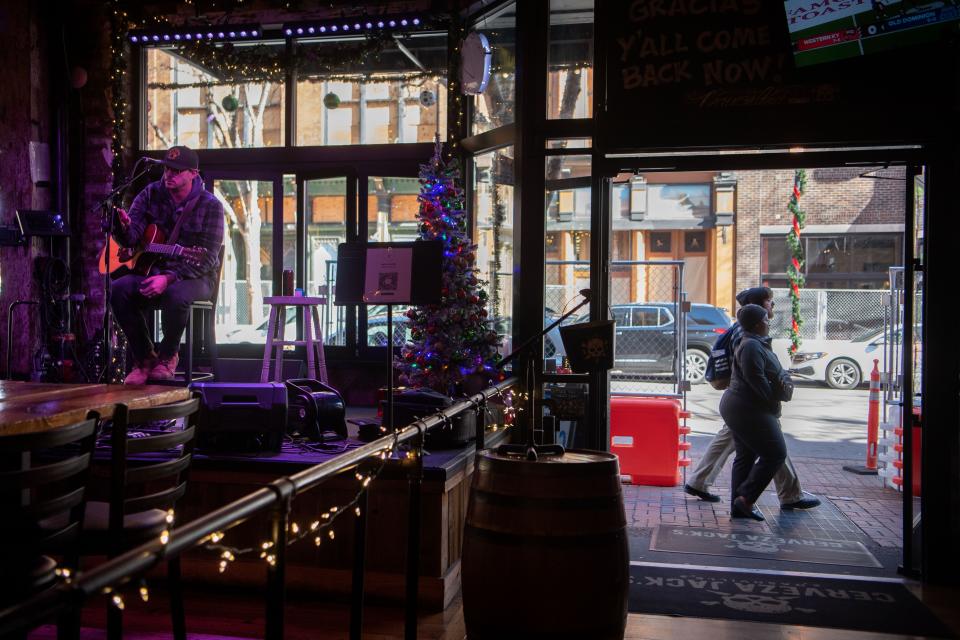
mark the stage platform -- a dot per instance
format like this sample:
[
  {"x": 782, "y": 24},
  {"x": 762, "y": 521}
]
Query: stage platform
[{"x": 216, "y": 479}]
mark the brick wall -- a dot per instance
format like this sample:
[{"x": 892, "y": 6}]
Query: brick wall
[
  {"x": 95, "y": 165},
  {"x": 24, "y": 118},
  {"x": 833, "y": 196}
]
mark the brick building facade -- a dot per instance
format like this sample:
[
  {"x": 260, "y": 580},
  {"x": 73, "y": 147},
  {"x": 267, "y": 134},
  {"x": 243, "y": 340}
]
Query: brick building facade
[{"x": 839, "y": 203}]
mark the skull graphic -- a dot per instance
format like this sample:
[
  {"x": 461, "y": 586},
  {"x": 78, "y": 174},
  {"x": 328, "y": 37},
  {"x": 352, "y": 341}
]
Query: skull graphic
[
  {"x": 594, "y": 348},
  {"x": 754, "y": 603},
  {"x": 755, "y": 547}
]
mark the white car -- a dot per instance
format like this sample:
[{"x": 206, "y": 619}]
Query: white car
[{"x": 842, "y": 364}]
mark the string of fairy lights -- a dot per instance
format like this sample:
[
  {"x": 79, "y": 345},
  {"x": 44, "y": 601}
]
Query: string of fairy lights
[{"x": 323, "y": 526}]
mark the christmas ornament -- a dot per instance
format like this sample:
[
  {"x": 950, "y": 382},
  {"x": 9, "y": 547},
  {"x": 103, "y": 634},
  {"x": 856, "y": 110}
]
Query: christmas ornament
[
  {"x": 331, "y": 100},
  {"x": 229, "y": 103},
  {"x": 427, "y": 98}
]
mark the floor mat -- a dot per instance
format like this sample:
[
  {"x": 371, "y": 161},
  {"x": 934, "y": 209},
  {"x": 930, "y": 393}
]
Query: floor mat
[
  {"x": 758, "y": 544},
  {"x": 784, "y": 598}
]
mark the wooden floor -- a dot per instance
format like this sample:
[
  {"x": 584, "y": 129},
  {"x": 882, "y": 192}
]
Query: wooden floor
[{"x": 233, "y": 616}]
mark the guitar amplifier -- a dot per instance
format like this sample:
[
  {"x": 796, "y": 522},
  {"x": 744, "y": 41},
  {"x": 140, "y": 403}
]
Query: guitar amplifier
[
  {"x": 412, "y": 404},
  {"x": 241, "y": 416},
  {"x": 315, "y": 409}
]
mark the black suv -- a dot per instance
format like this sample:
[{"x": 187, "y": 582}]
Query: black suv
[{"x": 646, "y": 337}]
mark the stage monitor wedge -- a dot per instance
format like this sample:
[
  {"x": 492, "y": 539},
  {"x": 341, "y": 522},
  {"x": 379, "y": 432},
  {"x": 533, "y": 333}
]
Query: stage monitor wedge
[{"x": 389, "y": 272}]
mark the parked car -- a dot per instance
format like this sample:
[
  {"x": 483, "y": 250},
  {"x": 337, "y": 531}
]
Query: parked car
[
  {"x": 841, "y": 364},
  {"x": 646, "y": 338},
  {"x": 247, "y": 334}
]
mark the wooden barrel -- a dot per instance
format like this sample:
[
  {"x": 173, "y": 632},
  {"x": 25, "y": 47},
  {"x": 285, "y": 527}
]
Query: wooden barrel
[{"x": 545, "y": 548}]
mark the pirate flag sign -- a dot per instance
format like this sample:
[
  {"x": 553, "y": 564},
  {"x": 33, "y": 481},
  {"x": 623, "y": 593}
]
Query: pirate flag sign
[{"x": 589, "y": 345}]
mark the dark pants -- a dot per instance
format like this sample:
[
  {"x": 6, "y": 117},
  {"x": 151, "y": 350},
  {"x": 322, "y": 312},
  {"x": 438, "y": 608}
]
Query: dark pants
[
  {"x": 759, "y": 442},
  {"x": 130, "y": 309}
]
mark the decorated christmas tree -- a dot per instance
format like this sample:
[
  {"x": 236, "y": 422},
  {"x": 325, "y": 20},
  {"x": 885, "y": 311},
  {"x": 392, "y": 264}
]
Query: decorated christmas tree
[{"x": 451, "y": 341}]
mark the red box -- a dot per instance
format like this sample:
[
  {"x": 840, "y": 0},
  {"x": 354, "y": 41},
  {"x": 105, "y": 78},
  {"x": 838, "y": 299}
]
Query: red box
[{"x": 645, "y": 435}]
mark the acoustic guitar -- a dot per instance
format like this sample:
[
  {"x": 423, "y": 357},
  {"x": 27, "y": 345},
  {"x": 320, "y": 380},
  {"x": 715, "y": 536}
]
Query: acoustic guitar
[{"x": 140, "y": 259}]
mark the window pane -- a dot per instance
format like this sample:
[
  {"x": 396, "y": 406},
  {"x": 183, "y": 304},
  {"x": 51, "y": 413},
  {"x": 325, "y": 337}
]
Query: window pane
[
  {"x": 569, "y": 143},
  {"x": 706, "y": 315},
  {"x": 494, "y": 219},
  {"x": 570, "y": 59},
  {"x": 567, "y": 247},
  {"x": 559, "y": 167},
  {"x": 873, "y": 253},
  {"x": 494, "y": 107},
  {"x": 775, "y": 255},
  {"x": 390, "y": 100},
  {"x": 247, "y": 261},
  {"x": 187, "y": 103},
  {"x": 824, "y": 254},
  {"x": 645, "y": 316},
  {"x": 326, "y": 221}
]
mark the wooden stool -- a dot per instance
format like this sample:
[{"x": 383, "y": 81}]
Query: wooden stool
[{"x": 313, "y": 337}]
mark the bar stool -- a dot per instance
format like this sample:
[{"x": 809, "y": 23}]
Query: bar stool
[{"x": 313, "y": 336}]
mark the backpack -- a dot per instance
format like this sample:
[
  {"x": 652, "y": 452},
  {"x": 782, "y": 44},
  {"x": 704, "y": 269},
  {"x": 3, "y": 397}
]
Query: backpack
[{"x": 719, "y": 365}]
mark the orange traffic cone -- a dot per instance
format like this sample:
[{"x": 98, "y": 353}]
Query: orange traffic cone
[{"x": 873, "y": 426}]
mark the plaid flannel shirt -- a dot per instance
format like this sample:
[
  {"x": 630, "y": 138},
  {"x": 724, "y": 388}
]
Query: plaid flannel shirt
[{"x": 203, "y": 228}]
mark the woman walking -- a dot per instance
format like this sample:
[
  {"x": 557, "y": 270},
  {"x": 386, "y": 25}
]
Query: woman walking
[{"x": 751, "y": 408}]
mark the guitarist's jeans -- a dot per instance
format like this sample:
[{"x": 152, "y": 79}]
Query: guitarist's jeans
[{"x": 130, "y": 309}]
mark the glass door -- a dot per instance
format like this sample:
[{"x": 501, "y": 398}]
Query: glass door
[
  {"x": 328, "y": 206},
  {"x": 911, "y": 346},
  {"x": 250, "y": 211}
]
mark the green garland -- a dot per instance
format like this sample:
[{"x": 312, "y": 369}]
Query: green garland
[
  {"x": 499, "y": 217},
  {"x": 378, "y": 78},
  {"x": 795, "y": 268},
  {"x": 265, "y": 63}
]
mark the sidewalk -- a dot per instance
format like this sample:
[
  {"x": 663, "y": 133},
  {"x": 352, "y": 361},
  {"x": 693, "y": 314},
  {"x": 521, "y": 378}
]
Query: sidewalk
[{"x": 855, "y": 508}]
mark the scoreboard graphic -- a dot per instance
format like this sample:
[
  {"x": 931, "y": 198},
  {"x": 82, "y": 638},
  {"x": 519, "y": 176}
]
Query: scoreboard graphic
[{"x": 827, "y": 30}]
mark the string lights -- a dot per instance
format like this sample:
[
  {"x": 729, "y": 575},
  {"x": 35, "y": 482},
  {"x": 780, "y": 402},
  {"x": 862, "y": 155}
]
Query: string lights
[{"x": 320, "y": 528}]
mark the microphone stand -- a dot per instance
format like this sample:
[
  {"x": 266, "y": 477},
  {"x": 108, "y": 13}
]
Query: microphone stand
[
  {"x": 529, "y": 449},
  {"x": 107, "y": 207}
]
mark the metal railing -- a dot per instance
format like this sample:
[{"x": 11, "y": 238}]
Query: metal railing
[{"x": 277, "y": 497}]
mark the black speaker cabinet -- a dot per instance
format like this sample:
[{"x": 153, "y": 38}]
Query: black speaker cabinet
[
  {"x": 315, "y": 409},
  {"x": 412, "y": 404},
  {"x": 241, "y": 416}
]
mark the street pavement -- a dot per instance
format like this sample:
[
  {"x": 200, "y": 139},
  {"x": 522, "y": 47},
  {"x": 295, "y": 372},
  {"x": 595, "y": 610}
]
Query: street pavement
[{"x": 819, "y": 422}]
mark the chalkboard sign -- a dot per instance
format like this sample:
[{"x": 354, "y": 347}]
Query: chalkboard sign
[{"x": 702, "y": 73}]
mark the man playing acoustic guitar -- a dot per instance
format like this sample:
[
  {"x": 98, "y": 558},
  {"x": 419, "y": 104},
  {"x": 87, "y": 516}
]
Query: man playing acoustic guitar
[{"x": 188, "y": 215}]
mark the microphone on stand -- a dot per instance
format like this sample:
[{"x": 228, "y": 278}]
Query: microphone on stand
[
  {"x": 585, "y": 293},
  {"x": 151, "y": 160}
]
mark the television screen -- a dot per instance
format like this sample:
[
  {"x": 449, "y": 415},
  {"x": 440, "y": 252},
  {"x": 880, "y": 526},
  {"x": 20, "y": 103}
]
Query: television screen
[{"x": 827, "y": 30}]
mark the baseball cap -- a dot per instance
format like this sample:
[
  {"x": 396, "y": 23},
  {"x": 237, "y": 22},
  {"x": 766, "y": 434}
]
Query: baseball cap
[
  {"x": 754, "y": 295},
  {"x": 180, "y": 157}
]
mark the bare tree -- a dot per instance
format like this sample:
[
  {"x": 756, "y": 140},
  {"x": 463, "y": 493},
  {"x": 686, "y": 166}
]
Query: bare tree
[{"x": 236, "y": 128}]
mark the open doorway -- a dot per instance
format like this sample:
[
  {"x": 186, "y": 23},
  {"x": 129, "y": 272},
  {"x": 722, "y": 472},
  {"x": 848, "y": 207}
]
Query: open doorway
[{"x": 831, "y": 241}]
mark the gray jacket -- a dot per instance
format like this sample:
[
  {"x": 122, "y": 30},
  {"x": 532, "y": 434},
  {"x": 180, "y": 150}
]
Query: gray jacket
[{"x": 757, "y": 375}]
